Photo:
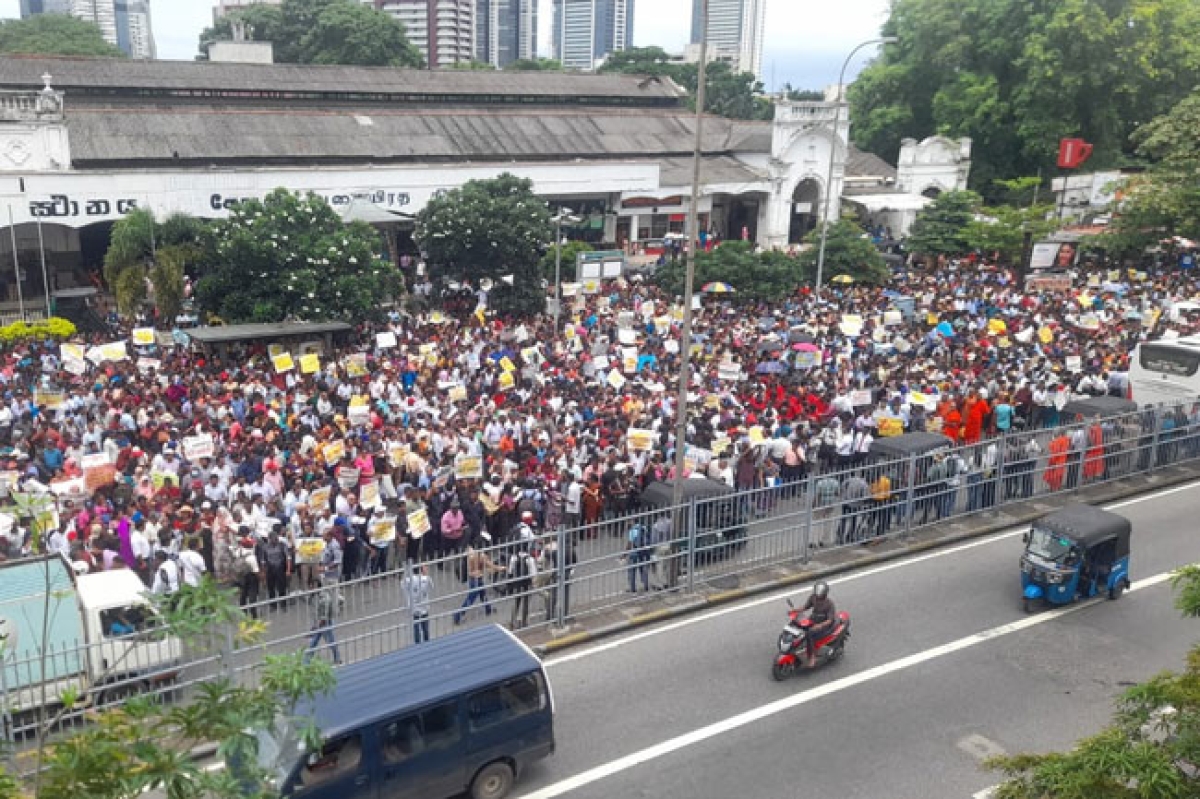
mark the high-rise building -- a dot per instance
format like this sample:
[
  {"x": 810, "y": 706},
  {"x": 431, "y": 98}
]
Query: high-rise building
[
  {"x": 505, "y": 31},
  {"x": 124, "y": 23},
  {"x": 443, "y": 30},
  {"x": 134, "y": 35},
  {"x": 735, "y": 32},
  {"x": 586, "y": 31}
]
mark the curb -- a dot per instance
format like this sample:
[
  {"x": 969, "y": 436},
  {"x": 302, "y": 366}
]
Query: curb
[{"x": 1015, "y": 519}]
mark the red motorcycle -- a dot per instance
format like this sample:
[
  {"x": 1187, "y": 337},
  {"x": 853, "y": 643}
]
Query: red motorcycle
[{"x": 793, "y": 643}]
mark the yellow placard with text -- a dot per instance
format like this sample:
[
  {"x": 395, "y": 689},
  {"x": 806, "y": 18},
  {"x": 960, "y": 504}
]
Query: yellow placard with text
[
  {"x": 310, "y": 363},
  {"x": 283, "y": 362}
]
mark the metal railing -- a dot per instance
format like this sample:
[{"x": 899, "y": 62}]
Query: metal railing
[{"x": 595, "y": 568}]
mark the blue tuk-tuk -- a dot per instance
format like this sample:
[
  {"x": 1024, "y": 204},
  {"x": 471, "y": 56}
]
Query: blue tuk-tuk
[{"x": 1075, "y": 552}]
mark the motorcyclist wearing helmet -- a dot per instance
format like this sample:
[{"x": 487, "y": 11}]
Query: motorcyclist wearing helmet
[{"x": 822, "y": 614}]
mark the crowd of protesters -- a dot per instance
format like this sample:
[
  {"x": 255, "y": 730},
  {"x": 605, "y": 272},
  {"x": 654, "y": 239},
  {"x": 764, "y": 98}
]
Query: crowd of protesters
[{"x": 489, "y": 429}]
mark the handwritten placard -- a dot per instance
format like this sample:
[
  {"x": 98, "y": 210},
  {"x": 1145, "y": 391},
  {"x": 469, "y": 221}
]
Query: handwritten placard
[
  {"x": 418, "y": 523},
  {"x": 309, "y": 550},
  {"x": 640, "y": 440},
  {"x": 310, "y": 363},
  {"x": 143, "y": 336},
  {"x": 468, "y": 467},
  {"x": 318, "y": 499}
]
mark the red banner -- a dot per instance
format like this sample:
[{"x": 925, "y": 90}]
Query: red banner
[{"x": 1072, "y": 153}]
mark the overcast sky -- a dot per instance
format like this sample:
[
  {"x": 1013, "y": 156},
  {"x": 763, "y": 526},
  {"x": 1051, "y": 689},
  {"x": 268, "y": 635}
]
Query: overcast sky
[{"x": 806, "y": 39}]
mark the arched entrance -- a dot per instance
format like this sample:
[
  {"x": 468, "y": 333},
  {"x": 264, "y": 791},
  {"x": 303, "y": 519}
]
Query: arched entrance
[{"x": 806, "y": 201}]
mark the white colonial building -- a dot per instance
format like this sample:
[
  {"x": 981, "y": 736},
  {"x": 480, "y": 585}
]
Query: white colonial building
[{"x": 84, "y": 141}]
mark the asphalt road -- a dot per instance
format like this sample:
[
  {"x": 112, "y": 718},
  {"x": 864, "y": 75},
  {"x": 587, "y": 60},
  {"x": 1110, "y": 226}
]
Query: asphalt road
[{"x": 943, "y": 669}]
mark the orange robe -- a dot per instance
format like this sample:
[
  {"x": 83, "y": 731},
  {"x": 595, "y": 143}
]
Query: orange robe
[{"x": 1055, "y": 469}]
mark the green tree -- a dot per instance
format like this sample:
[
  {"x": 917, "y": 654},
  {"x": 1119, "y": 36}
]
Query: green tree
[
  {"x": 640, "y": 61},
  {"x": 848, "y": 251},
  {"x": 473, "y": 66},
  {"x": 1000, "y": 230},
  {"x": 1017, "y": 76},
  {"x": 1165, "y": 200},
  {"x": 141, "y": 249},
  {"x": 1148, "y": 752},
  {"x": 489, "y": 228},
  {"x": 145, "y": 745},
  {"x": 54, "y": 34},
  {"x": 941, "y": 227},
  {"x": 288, "y": 256},
  {"x": 570, "y": 253},
  {"x": 727, "y": 93},
  {"x": 322, "y": 32},
  {"x": 768, "y": 275},
  {"x": 534, "y": 65},
  {"x": 802, "y": 95}
]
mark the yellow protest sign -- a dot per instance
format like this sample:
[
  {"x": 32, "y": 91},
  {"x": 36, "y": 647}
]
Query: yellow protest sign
[
  {"x": 318, "y": 499},
  {"x": 506, "y": 380},
  {"x": 356, "y": 364},
  {"x": 283, "y": 362},
  {"x": 458, "y": 393},
  {"x": 310, "y": 363},
  {"x": 468, "y": 467},
  {"x": 359, "y": 399},
  {"x": 479, "y": 315},
  {"x": 309, "y": 550},
  {"x": 143, "y": 336},
  {"x": 997, "y": 326},
  {"x": 931, "y": 319},
  {"x": 640, "y": 440},
  {"x": 418, "y": 523},
  {"x": 1045, "y": 335},
  {"x": 334, "y": 451},
  {"x": 719, "y": 445},
  {"x": 616, "y": 380},
  {"x": 275, "y": 349},
  {"x": 507, "y": 365},
  {"x": 757, "y": 436},
  {"x": 1084, "y": 299}
]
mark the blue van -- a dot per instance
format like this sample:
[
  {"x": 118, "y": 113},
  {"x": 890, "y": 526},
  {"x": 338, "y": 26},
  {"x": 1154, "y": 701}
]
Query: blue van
[{"x": 461, "y": 714}]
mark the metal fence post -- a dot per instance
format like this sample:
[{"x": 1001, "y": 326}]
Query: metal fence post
[
  {"x": 1152, "y": 466},
  {"x": 809, "y": 505},
  {"x": 561, "y": 585},
  {"x": 910, "y": 494},
  {"x": 999, "y": 489},
  {"x": 691, "y": 550}
]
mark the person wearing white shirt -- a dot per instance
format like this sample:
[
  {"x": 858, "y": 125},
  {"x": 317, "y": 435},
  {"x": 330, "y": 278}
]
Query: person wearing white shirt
[
  {"x": 166, "y": 575},
  {"x": 191, "y": 563}
]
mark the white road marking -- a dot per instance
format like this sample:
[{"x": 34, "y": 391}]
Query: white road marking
[
  {"x": 846, "y": 578},
  {"x": 732, "y": 723},
  {"x": 980, "y": 747}
]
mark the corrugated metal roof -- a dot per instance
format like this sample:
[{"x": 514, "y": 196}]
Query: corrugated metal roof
[
  {"x": 713, "y": 170},
  {"x": 266, "y": 332},
  {"x": 106, "y": 73},
  {"x": 212, "y": 134},
  {"x": 861, "y": 164}
]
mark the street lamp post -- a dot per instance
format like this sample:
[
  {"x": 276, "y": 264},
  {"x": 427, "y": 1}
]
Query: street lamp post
[
  {"x": 837, "y": 119},
  {"x": 689, "y": 280},
  {"x": 564, "y": 214}
]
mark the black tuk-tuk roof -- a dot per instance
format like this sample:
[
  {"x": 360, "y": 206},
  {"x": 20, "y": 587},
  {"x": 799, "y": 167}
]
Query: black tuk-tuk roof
[
  {"x": 1105, "y": 406},
  {"x": 662, "y": 494},
  {"x": 908, "y": 444},
  {"x": 1089, "y": 526}
]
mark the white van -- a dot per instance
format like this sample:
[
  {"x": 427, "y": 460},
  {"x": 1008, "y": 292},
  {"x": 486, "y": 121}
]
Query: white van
[{"x": 91, "y": 637}]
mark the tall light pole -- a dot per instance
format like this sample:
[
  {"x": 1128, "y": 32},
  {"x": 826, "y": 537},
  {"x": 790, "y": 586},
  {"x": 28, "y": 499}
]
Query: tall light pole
[
  {"x": 564, "y": 214},
  {"x": 837, "y": 119},
  {"x": 689, "y": 279}
]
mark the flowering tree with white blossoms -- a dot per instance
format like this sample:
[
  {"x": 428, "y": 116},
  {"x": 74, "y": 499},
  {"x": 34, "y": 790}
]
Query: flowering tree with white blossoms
[
  {"x": 292, "y": 257},
  {"x": 492, "y": 229}
]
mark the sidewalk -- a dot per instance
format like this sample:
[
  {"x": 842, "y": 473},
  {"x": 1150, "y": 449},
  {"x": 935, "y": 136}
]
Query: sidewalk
[{"x": 719, "y": 590}]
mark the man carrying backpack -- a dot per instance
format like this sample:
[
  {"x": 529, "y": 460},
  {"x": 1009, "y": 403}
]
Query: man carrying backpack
[
  {"x": 637, "y": 554},
  {"x": 521, "y": 570}
]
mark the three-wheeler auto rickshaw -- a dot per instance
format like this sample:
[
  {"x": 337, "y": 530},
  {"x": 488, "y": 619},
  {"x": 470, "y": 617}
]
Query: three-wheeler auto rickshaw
[{"x": 1075, "y": 552}]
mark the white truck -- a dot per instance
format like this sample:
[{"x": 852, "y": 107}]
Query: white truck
[{"x": 89, "y": 638}]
